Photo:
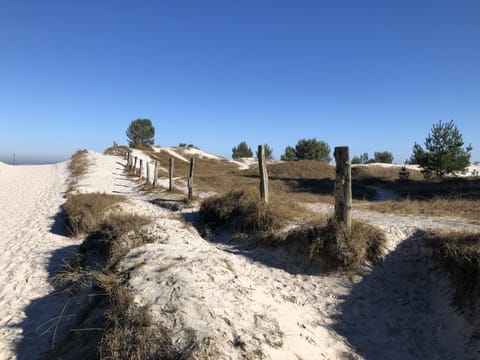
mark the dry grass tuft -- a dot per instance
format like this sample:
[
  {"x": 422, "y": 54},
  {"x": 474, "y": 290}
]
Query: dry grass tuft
[
  {"x": 78, "y": 163},
  {"x": 117, "y": 150},
  {"x": 465, "y": 208},
  {"x": 130, "y": 332},
  {"x": 85, "y": 212},
  {"x": 116, "y": 236},
  {"x": 459, "y": 255},
  {"x": 78, "y": 167},
  {"x": 241, "y": 211},
  {"x": 342, "y": 251}
]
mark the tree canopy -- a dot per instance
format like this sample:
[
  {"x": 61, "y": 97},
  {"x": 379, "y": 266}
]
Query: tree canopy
[
  {"x": 385, "y": 157},
  {"x": 308, "y": 149},
  {"x": 241, "y": 151},
  {"x": 444, "y": 152},
  {"x": 140, "y": 132},
  {"x": 268, "y": 152}
]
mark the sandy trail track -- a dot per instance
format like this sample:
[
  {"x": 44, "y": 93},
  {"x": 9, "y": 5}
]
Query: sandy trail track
[{"x": 31, "y": 233}]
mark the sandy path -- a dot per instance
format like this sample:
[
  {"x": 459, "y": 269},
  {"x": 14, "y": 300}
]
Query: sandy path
[{"x": 31, "y": 245}]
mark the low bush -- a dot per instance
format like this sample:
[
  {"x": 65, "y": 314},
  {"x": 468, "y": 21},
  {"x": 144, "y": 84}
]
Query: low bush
[{"x": 459, "y": 255}]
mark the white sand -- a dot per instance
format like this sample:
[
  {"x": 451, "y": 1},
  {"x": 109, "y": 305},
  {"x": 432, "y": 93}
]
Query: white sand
[
  {"x": 238, "y": 302},
  {"x": 30, "y": 198},
  {"x": 170, "y": 151}
]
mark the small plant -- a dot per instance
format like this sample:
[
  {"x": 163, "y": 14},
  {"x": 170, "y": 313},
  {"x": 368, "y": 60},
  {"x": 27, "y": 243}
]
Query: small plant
[{"x": 404, "y": 173}]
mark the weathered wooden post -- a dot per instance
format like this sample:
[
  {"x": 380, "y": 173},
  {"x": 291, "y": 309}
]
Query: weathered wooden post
[
  {"x": 135, "y": 166},
  {"x": 170, "y": 174},
  {"x": 343, "y": 188},
  {"x": 148, "y": 171},
  {"x": 190, "y": 180},
  {"x": 127, "y": 157},
  {"x": 262, "y": 168},
  {"x": 141, "y": 168},
  {"x": 155, "y": 174}
]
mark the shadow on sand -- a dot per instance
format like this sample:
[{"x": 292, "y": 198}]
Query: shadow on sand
[
  {"x": 401, "y": 310},
  {"x": 47, "y": 317}
]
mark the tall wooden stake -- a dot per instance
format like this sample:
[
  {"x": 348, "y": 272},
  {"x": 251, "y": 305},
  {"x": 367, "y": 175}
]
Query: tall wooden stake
[
  {"x": 190, "y": 180},
  {"x": 262, "y": 168},
  {"x": 141, "y": 169},
  {"x": 135, "y": 166},
  {"x": 343, "y": 187},
  {"x": 148, "y": 171},
  {"x": 170, "y": 174},
  {"x": 155, "y": 174}
]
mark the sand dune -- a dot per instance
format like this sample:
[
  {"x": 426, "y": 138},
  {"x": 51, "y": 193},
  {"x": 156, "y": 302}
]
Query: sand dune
[{"x": 233, "y": 301}]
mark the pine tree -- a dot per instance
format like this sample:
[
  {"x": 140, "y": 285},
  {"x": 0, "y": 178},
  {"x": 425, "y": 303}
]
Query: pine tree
[
  {"x": 241, "y": 151},
  {"x": 444, "y": 152},
  {"x": 140, "y": 132}
]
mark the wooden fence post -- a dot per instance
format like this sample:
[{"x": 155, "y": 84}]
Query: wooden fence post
[
  {"x": 135, "y": 166},
  {"x": 155, "y": 174},
  {"x": 141, "y": 168},
  {"x": 190, "y": 180},
  {"x": 170, "y": 174},
  {"x": 148, "y": 171},
  {"x": 343, "y": 188},
  {"x": 262, "y": 168}
]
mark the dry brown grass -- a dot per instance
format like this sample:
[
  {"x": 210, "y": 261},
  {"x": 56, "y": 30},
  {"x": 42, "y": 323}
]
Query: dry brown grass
[
  {"x": 244, "y": 212},
  {"x": 85, "y": 212},
  {"x": 459, "y": 255},
  {"x": 117, "y": 150},
  {"x": 78, "y": 167},
  {"x": 248, "y": 218},
  {"x": 468, "y": 209},
  {"x": 341, "y": 250},
  {"x": 129, "y": 331},
  {"x": 117, "y": 234}
]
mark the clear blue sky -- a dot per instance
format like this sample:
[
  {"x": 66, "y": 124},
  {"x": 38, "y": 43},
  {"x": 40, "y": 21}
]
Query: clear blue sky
[{"x": 374, "y": 75}]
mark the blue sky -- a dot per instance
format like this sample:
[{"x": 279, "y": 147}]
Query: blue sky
[{"x": 374, "y": 75}]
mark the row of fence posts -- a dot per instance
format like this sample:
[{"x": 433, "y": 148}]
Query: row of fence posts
[
  {"x": 138, "y": 171},
  {"x": 342, "y": 188}
]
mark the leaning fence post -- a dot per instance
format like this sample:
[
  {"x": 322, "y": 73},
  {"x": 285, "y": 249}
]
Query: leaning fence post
[
  {"x": 141, "y": 168},
  {"x": 170, "y": 174},
  {"x": 262, "y": 168},
  {"x": 343, "y": 187},
  {"x": 155, "y": 174},
  {"x": 190, "y": 180}
]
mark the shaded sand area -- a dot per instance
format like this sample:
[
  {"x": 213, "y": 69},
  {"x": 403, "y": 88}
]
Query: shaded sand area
[{"x": 32, "y": 246}]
